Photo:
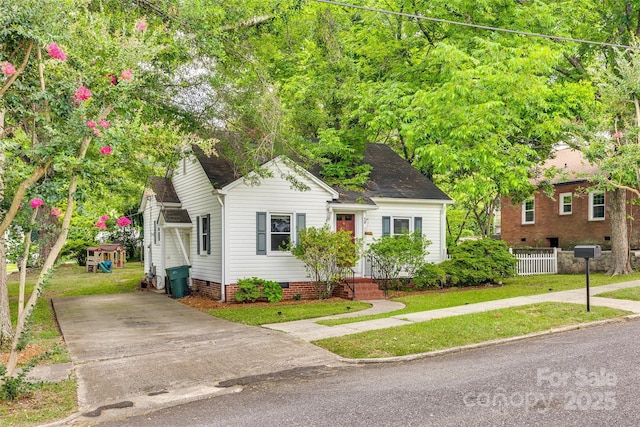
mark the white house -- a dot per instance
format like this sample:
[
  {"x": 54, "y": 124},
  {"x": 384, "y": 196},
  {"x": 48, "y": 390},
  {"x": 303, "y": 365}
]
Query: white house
[{"x": 226, "y": 227}]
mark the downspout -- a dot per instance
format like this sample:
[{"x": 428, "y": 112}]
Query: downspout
[
  {"x": 223, "y": 251},
  {"x": 150, "y": 242},
  {"x": 443, "y": 236}
]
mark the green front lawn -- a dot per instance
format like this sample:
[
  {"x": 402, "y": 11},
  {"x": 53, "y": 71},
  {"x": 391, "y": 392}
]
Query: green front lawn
[
  {"x": 463, "y": 330},
  {"x": 512, "y": 287},
  {"x": 629, "y": 293},
  {"x": 277, "y": 313}
]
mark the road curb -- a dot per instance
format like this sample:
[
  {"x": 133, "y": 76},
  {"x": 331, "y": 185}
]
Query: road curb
[
  {"x": 410, "y": 357},
  {"x": 144, "y": 404}
]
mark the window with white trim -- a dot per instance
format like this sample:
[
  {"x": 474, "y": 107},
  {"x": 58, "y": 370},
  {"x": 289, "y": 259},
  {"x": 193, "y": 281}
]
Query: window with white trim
[
  {"x": 275, "y": 231},
  {"x": 596, "y": 206},
  {"x": 566, "y": 204},
  {"x": 401, "y": 226},
  {"x": 279, "y": 231},
  {"x": 204, "y": 238},
  {"x": 528, "y": 211},
  {"x": 156, "y": 232}
]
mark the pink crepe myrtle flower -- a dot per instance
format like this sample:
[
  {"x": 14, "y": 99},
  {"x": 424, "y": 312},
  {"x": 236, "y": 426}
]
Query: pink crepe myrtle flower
[
  {"x": 56, "y": 212},
  {"x": 104, "y": 218},
  {"x": 113, "y": 79},
  {"x": 7, "y": 68},
  {"x": 82, "y": 94},
  {"x": 123, "y": 221},
  {"x": 36, "y": 203},
  {"x": 91, "y": 124},
  {"x": 617, "y": 135},
  {"x": 55, "y": 52},
  {"x": 104, "y": 123},
  {"x": 126, "y": 75},
  {"x": 97, "y": 133},
  {"x": 106, "y": 150},
  {"x": 101, "y": 225},
  {"x": 141, "y": 26}
]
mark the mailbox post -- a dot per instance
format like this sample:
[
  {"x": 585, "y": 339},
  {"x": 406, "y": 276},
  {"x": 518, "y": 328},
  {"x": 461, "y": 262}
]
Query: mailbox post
[{"x": 587, "y": 252}]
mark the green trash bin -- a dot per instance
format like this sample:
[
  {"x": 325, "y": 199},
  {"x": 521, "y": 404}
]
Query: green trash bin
[{"x": 178, "y": 282}]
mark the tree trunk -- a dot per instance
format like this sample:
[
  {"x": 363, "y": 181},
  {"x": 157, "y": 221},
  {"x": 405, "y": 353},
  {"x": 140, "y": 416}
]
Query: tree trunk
[
  {"x": 620, "y": 263},
  {"x": 6, "y": 329}
]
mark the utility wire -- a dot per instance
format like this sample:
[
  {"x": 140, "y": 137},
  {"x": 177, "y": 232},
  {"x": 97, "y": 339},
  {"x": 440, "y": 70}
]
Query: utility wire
[{"x": 482, "y": 27}]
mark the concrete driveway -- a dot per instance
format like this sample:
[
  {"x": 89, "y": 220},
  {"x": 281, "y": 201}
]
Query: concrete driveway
[{"x": 134, "y": 352}]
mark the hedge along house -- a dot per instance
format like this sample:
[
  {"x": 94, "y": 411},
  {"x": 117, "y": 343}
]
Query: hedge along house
[
  {"x": 207, "y": 216},
  {"x": 576, "y": 214}
]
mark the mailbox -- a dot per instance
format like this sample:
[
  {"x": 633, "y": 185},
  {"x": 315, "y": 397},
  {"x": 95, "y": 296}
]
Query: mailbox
[{"x": 587, "y": 251}]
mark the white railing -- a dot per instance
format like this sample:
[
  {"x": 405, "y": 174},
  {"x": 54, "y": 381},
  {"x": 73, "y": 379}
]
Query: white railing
[{"x": 536, "y": 261}]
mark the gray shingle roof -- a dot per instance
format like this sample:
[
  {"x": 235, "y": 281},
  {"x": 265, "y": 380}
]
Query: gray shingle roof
[
  {"x": 390, "y": 176},
  {"x": 165, "y": 193},
  {"x": 176, "y": 216}
]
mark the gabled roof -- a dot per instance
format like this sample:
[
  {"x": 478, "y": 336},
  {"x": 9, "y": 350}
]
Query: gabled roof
[
  {"x": 219, "y": 171},
  {"x": 163, "y": 189},
  {"x": 391, "y": 176},
  {"x": 572, "y": 166},
  {"x": 175, "y": 216},
  {"x": 107, "y": 247}
]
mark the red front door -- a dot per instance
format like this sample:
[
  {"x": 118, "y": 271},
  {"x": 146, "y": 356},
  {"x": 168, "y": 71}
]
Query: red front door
[{"x": 346, "y": 222}]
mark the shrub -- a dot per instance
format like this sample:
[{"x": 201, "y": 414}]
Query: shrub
[
  {"x": 476, "y": 262},
  {"x": 429, "y": 275},
  {"x": 253, "y": 288},
  {"x": 77, "y": 249},
  {"x": 248, "y": 290},
  {"x": 327, "y": 255},
  {"x": 272, "y": 290},
  {"x": 391, "y": 254}
]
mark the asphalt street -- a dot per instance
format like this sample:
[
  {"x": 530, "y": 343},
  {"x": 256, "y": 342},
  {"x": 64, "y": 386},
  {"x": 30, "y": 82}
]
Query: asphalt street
[{"x": 580, "y": 378}]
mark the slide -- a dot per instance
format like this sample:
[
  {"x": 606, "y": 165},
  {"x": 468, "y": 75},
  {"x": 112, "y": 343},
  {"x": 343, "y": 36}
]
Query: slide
[{"x": 103, "y": 267}]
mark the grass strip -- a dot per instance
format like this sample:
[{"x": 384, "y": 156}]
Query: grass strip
[
  {"x": 463, "y": 330},
  {"x": 277, "y": 313},
  {"x": 49, "y": 402},
  {"x": 512, "y": 287},
  {"x": 632, "y": 294}
]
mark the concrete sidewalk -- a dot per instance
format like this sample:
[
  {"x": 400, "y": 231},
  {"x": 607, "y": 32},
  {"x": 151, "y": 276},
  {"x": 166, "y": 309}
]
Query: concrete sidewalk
[{"x": 309, "y": 330}]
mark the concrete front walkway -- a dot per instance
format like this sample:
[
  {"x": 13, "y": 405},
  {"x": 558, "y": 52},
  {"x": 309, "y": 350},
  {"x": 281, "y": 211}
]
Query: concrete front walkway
[
  {"x": 138, "y": 351},
  {"x": 309, "y": 330}
]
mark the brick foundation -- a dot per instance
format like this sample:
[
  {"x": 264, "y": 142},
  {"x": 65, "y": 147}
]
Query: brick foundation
[
  {"x": 206, "y": 288},
  {"x": 365, "y": 289}
]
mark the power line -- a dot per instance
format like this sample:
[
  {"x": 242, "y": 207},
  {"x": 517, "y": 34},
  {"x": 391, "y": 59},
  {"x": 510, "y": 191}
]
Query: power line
[{"x": 482, "y": 27}]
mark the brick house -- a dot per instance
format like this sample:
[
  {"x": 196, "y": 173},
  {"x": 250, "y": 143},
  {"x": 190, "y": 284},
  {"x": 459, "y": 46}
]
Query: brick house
[{"x": 575, "y": 215}]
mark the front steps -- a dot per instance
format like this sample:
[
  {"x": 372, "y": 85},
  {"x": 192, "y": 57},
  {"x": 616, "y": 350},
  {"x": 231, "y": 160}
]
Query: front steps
[{"x": 366, "y": 289}]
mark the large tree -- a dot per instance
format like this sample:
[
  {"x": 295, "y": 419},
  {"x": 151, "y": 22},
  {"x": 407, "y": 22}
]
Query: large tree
[{"x": 74, "y": 119}]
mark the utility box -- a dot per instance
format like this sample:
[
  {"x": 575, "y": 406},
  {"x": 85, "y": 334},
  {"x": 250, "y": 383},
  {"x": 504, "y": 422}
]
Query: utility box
[{"x": 592, "y": 251}]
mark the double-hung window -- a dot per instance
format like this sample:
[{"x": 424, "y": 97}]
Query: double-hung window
[
  {"x": 596, "y": 206},
  {"x": 528, "y": 211},
  {"x": 204, "y": 234},
  {"x": 401, "y": 225},
  {"x": 156, "y": 233},
  {"x": 566, "y": 204},
  {"x": 277, "y": 231},
  {"x": 280, "y": 232}
]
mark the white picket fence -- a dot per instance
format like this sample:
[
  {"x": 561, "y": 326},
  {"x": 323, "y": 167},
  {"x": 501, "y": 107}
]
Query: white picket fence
[{"x": 536, "y": 261}]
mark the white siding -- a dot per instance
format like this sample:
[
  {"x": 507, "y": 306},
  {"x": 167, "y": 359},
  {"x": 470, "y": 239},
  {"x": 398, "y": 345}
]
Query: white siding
[
  {"x": 196, "y": 195},
  {"x": 433, "y": 220},
  {"x": 153, "y": 256},
  {"x": 273, "y": 195}
]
